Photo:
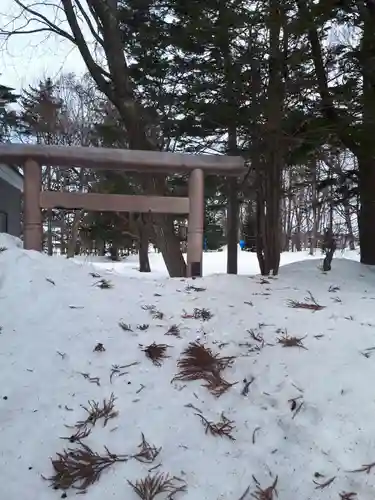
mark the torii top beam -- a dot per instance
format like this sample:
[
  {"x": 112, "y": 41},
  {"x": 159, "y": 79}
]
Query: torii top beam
[{"x": 121, "y": 159}]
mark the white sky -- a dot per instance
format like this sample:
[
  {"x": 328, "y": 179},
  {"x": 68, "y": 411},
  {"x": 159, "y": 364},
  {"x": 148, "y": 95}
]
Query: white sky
[{"x": 25, "y": 59}]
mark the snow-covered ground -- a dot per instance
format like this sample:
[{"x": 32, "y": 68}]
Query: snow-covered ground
[
  {"x": 213, "y": 262},
  {"x": 300, "y": 417}
]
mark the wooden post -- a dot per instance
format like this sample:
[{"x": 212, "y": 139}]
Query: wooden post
[
  {"x": 32, "y": 229},
  {"x": 196, "y": 221},
  {"x": 232, "y": 226}
]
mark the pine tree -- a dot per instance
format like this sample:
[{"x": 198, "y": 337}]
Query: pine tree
[
  {"x": 8, "y": 118},
  {"x": 41, "y": 109}
]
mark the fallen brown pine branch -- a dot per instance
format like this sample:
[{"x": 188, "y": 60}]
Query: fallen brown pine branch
[
  {"x": 156, "y": 353},
  {"x": 152, "y": 485},
  {"x": 199, "y": 363},
  {"x": 147, "y": 452},
  {"x": 223, "y": 428},
  {"x": 81, "y": 467}
]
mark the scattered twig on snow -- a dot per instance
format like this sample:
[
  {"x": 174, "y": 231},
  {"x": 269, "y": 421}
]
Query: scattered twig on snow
[
  {"x": 333, "y": 288},
  {"x": 51, "y": 281},
  {"x": 295, "y": 408},
  {"x": 310, "y": 303},
  {"x": 103, "y": 284},
  {"x": 257, "y": 337},
  {"x": 3, "y": 249},
  {"x": 174, "y": 330},
  {"x": 189, "y": 405},
  {"x": 62, "y": 354},
  {"x": 244, "y": 495},
  {"x": 365, "y": 468},
  {"x": 80, "y": 434},
  {"x": 223, "y": 428},
  {"x": 265, "y": 494},
  {"x": 263, "y": 281},
  {"x": 151, "y": 486},
  {"x": 95, "y": 275},
  {"x": 140, "y": 389},
  {"x": 118, "y": 370},
  {"x": 143, "y": 327},
  {"x": 81, "y": 467},
  {"x": 247, "y": 384},
  {"x": 217, "y": 386},
  {"x": 288, "y": 341},
  {"x": 321, "y": 486},
  {"x": 156, "y": 352},
  {"x": 93, "y": 380},
  {"x": 203, "y": 314},
  {"x": 99, "y": 347},
  {"x": 348, "y": 495},
  {"x": 147, "y": 452},
  {"x": 192, "y": 288},
  {"x": 153, "y": 311},
  {"x": 254, "y": 434},
  {"x": 368, "y": 352},
  {"x": 96, "y": 412},
  {"x": 125, "y": 327},
  {"x": 199, "y": 363}
]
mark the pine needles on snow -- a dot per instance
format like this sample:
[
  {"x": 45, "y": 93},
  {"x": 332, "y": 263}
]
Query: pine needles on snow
[
  {"x": 96, "y": 411},
  {"x": 152, "y": 485},
  {"x": 223, "y": 428},
  {"x": 310, "y": 303},
  {"x": 269, "y": 493},
  {"x": 81, "y": 467},
  {"x": 199, "y": 363},
  {"x": 147, "y": 452},
  {"x": 156, "y": 353}
]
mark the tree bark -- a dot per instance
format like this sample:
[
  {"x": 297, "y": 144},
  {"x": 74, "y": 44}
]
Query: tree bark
[
  {"x": 349, "y": 226},
  {"x": 74, "y": 234},
  {"x": 366, "y": 159},
  {"x": 143, "y": 245},
  {"x": 269, "y": 183}
]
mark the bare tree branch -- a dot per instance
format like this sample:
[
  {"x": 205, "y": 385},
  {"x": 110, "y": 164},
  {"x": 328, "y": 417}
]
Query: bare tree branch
[
  {"x": 40, "y": 18},
  {"x": 89, "y": 23},
  {"x": 97, "y": 73}
]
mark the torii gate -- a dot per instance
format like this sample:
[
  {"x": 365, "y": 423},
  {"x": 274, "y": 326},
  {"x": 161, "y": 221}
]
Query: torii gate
[{"x": 152, "y": 162}]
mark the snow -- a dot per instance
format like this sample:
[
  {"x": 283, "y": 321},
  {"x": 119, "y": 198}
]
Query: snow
[
  {"x": 53, "y": 315},
  {"x": 213, "y": 262}
]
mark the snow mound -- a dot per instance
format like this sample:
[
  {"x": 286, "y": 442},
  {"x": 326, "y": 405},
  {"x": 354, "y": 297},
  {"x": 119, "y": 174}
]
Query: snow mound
[
  {"x": 8, "y": 241},
  {"x": 299, "y": 409}
]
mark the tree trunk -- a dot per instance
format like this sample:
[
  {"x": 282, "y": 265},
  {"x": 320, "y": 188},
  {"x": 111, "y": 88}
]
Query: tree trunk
[
  {"x": 366, "y": 220},
  {"x": 74, "y": 234},
  {"x": 349, "y": 226},
  {"x": 314, "y": 202},
  {"x": 143, "y": 245},
  {"x": 169, "y": 245},
  {"x": 269, "y": 187},
  {"x": 144, "y": 262},
  {"x": 232, "y": 227},
  {"x": 366, "y": 160},
  {"x": 297, "y": 211}
]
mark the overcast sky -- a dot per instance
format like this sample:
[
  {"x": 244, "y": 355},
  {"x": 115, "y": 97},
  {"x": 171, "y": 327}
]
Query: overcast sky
[{"x": 25, "y": 59}]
